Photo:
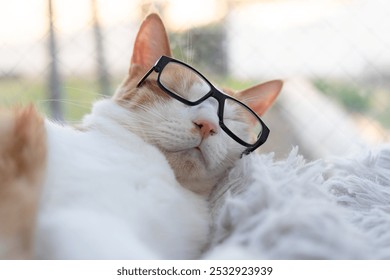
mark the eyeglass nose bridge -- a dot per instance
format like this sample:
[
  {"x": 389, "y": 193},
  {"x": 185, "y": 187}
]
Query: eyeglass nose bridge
[{"x": 220, "y": 97}]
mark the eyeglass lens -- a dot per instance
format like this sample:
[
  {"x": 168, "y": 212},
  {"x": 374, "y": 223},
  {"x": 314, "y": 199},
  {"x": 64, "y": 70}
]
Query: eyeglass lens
[
  {"x": 239, "y": 120},
  {"x": 184, "y": 82}
]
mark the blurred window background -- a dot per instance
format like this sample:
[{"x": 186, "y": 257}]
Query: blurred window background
[{"x": 334, "y": 56}]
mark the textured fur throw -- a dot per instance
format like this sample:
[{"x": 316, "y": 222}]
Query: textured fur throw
[{"x": 290, "y": 209}]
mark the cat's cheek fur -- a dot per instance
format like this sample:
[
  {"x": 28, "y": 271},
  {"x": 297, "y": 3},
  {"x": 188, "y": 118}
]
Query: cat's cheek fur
[
  {"x": 177, "y": 131},
  {"x": 179, "y": 136}
]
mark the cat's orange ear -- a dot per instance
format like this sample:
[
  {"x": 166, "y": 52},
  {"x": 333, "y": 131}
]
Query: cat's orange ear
[
  {"x": 260, "y": 97},
  {"x": 151, "y": 42}
]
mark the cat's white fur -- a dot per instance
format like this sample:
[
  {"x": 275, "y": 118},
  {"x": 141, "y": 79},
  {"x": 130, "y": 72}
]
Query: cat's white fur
[
  {"x": 132, "y": 181},
  {"x": 109, "y": 194}
]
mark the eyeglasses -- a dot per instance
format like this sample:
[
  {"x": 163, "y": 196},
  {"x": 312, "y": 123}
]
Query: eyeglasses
[{"x": 235, "y": 118}]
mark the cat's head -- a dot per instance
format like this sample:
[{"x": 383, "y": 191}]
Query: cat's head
[{"x": 191, "y": 138}]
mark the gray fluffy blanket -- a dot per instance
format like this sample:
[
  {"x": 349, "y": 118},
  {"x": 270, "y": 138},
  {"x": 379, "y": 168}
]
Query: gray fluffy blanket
[{"x": 291, "y": 209}]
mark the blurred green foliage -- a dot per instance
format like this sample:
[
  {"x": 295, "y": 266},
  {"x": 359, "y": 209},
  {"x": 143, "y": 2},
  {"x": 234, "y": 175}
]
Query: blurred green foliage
[
  {"x": 364, "y": 99},
  {"x": 78, "y": 95},
  {"x": 352, "y": 97}
]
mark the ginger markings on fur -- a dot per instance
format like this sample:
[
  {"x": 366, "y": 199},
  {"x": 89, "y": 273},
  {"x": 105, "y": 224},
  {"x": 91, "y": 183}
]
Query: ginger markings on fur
[{"x": 22, "y": 163}]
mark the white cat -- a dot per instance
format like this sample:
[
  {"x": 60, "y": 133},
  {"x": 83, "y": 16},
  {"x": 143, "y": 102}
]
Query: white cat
[{"x": 132, "y": 181}]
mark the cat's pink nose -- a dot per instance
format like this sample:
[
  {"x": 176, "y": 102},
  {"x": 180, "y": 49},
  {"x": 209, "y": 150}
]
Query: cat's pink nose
[{"x": 206, "y": 128}]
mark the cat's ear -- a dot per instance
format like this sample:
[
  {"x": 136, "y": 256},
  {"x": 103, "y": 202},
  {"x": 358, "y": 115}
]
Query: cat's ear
[
  {"x": 151, "y": 42},
  {"x": 260, "y": 97}
]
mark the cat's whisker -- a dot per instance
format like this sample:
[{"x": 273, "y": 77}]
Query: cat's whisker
[
  {"x": 92, "y": 93},
  {"x": 64, "y": 99},
  {"x": 75, "y": 103},
  {"x": 155, "y": 113},
  {"x": 137, "y": 127}
]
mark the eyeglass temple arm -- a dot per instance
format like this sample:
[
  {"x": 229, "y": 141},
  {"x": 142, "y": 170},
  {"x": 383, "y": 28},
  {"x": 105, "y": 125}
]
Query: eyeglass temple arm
[{"x": 146, "y": 76}]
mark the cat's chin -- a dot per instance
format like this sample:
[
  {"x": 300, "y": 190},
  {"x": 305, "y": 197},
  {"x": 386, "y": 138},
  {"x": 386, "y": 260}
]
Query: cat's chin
[
  {"x": 192, "y": 157},
  {"x": 191, "y": 169},
  {"x": 195, "y": 155}
]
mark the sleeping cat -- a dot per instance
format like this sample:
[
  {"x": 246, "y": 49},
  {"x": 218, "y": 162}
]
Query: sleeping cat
[{"x": 132, "y": 181}]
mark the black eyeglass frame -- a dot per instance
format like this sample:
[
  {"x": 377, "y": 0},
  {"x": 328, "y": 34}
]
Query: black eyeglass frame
[{"x": 214, "y": 92}]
